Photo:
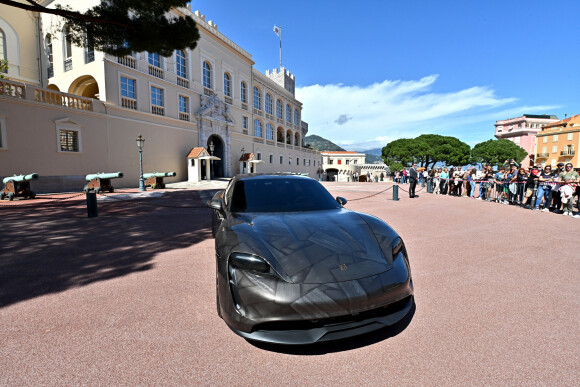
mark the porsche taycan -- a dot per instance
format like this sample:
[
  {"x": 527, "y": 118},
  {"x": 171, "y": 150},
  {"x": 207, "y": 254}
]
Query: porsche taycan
[{"x": 293, "y": 266}]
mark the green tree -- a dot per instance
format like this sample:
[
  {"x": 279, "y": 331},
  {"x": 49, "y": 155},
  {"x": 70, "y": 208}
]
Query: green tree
[
  {"x": 119, "y": 27},
  {"x": 3, "y": 68},
  {"x": 398, "y": 153},
  {"x": 426, "y": 150},
  {"x": 496, "y": 152}
]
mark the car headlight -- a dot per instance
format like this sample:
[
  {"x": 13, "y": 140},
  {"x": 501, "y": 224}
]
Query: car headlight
[{"x": 249, "y": 262}]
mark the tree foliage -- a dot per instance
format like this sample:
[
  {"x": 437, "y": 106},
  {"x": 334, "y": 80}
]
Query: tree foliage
[
  {"x": 119, "y": 27},
  {"x": 426, "y": 150},
  {"x": 495, "y": 152}
]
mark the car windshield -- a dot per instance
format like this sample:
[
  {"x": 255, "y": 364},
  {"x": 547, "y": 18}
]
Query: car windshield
[{"x": 281, "y": 194}]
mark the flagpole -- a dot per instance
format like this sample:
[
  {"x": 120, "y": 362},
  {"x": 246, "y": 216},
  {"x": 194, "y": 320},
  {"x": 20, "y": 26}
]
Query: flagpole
[{"x": 280, "y": 48}]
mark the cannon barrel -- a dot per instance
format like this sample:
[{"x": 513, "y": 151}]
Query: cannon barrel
[
  {"x": 113, "y": 175},
  {"x": 159, "y": 174},
  {"x": 21, "y": 178}
]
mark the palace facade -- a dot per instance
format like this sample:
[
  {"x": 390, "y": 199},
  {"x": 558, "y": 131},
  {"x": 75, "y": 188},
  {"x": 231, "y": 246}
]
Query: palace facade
[{"x": 67, "y": 111}]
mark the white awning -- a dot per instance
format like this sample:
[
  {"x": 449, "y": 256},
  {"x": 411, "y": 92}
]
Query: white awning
[
  {"x": 209, "y": 158},
  {"x": 256, "y": 161}
]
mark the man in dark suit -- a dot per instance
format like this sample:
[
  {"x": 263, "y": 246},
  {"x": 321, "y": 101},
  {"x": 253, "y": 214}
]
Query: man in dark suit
[{"x": 413, "y": 176}]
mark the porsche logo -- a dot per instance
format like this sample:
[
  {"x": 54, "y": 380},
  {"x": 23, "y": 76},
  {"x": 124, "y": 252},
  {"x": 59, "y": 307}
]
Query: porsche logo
[{"x": 342, "y": 266}]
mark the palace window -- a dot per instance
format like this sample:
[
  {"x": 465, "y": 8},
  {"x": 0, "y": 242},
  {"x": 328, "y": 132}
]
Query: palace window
[
  {"x": 244, "y": 92},
  {"x": 183, "y": 108},
  {"x": 288, "y": 114},
  {"x": 278, "y": 109},
  {"x": 157, "y": 102},
  {"x": 180, "y": 64},
  {"x": 68, "y": 140},
  {"x": 257, "y": 99},
  {"x": 227, "y": 85},
  {"x": 128, "y": 87},
  {"x": 269, "y": 132},
  {"x": 296, "y": 117},
  {"x": 50, "y": 69},
  {"x": 257, "y": 128},
  {"x": 67, "y": 45},
  {"x": 153, "y": 59},
  {"x": 207, "y": 75},
  {"x": 268, "y": 103}
]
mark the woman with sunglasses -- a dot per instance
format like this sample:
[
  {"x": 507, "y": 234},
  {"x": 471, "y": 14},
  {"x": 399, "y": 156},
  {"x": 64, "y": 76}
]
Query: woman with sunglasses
[{"x": 545, "y": 188}]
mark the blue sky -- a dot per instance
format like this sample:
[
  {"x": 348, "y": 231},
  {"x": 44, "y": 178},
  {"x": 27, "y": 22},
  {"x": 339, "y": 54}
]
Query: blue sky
[{"x": 374, "y": 71}]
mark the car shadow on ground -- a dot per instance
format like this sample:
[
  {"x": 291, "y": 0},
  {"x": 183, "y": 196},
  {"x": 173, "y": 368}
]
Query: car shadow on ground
[
  {"x": 344, "y": 344},
  {"x": 51, "y": 247}
]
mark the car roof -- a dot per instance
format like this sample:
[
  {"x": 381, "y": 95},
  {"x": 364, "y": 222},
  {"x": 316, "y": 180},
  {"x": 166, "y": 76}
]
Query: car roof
[{"x": 259, "y": 176}]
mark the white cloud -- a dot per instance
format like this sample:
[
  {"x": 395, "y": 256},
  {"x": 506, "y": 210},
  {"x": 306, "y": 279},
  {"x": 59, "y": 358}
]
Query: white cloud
[{"x": 371, "y": 116}]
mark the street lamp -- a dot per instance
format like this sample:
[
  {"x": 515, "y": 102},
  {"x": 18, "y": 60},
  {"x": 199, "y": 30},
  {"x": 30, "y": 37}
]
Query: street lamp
[
  {"x": 243, "y": 161},
  {"x": 211, "y": 148},
  {"x": 140, "y": 143}
]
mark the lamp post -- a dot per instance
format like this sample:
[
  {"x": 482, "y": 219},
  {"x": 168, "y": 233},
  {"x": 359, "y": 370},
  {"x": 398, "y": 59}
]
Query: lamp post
[
  {"x": 243, "y": 162},
  {"x": 140, "y": 143},
  {"x": 211, "y": 148}
]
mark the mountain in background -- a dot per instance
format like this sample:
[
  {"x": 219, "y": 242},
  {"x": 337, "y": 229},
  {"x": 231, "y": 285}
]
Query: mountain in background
[{"x": 323, "y": 144}]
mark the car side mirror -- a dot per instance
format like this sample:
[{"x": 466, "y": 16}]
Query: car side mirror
[
  {"x": 342, "y": 201},
  {"x": 215, "y": 204}
]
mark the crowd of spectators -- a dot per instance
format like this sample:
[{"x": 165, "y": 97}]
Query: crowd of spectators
[{"x": 537, "y": 188}]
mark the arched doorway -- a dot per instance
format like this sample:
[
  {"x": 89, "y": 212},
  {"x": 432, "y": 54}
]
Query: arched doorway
[
  {"x": 218, "y": 150},
  {"x": 85, "y": 86},
  {"x": 331, "y": 174}
]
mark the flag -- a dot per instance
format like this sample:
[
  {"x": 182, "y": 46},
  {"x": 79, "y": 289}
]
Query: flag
[{"x": 276, "y": 30}]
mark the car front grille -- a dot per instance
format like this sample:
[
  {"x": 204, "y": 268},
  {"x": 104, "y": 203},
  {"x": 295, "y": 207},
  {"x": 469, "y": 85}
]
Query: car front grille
[{"x": 296, "y": 325}]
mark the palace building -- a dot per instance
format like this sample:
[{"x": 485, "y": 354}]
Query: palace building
[
  {"x": 68, "y": 111},
  {"x": 559, "y": 141}
]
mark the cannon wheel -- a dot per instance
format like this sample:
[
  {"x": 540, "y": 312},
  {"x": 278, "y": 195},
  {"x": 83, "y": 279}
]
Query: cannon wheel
[
  {"x": 2, "y": 195},
  {"x": 31, "y": 195},
  {"x": 10, "y": 196}
]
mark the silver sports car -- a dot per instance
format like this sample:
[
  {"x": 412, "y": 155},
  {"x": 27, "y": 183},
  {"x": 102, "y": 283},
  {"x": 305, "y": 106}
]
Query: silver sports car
[{"x": 295, "y": 267}]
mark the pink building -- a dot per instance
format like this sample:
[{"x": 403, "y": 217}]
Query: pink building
[{"x": 522, "y": 131}]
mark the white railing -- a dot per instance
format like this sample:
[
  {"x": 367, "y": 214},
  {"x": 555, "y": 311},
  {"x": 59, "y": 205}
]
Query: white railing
[
  {"x": 159, "y": 110},
  {"x": 12, "y": 89},
  {"x": 127, "y": 61},
  {"x": 129, "y": 103},
  {"x": 182, "y": 82},
  {"x": 184, "y": 116},
  {"x": 156, "y": 71},
  {"x": 53, "y": 97}
]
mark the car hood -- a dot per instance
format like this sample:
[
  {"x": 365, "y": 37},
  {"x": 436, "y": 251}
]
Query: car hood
[{"x": 315, "y": 247}]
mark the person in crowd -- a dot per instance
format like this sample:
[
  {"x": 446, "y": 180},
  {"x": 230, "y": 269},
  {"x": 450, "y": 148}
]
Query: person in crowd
[
  {"x": 458, "y": 181},
  {"x": 413, "y": 178},
  {"x": 512, "y": 185},
  {"x": 471, "y": 179},
  {"x": 480, "y": 177},
  {"x": 545, "y": 185},
  {"x": 405, "y": 175},
  {"x": 499, "y": 179},
  {"x": 490, "y": 182},
  {"x": 556, "y": 197},
  {"x": 451, "y": 182},
  {"x": 567, "y": 190},
  {"x": 532, "y": 178},
  {"x": 444, "y": 176},
  {"x": 382, "y": 176},
  {"x": 465, "y": 183},
  {"x": 437, "y": 181}
]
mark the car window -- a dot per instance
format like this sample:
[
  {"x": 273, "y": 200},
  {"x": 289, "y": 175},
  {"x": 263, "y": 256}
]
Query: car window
[
  {"x": 228, "y": 193},
  {"x": 281, "y": 195}
]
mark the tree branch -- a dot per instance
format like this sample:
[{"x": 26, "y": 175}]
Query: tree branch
[{"x": 35, "y": 7}]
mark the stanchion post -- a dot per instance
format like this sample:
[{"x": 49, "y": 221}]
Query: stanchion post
[
  {"x": 430, "y": 186},
  {"x": 395, "y": 192},
  {"x": 92, "y": 211}
]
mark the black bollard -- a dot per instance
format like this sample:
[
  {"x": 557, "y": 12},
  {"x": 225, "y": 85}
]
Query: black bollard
[
  {"x": 534, "y": 195},
  {"x": 429, "y": 186},
  {"x": 92, "y": 211},
  {"x": 395, "y": 192}
]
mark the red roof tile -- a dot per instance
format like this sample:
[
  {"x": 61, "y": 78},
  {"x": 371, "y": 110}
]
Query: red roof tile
[
  {"x": 247, "y": 157},
  {"x": 195, "y": 152}
]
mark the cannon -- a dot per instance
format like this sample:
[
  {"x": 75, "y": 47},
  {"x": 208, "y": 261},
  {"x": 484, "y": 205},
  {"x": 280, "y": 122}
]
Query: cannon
[
  {"x": 18, "y": 185},
  {"x": 100, "y": 182},
  {"x": 155, "y": 179}
]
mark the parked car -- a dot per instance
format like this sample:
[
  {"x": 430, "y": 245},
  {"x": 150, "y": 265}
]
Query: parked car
[{"x": 293, "y": 266}]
